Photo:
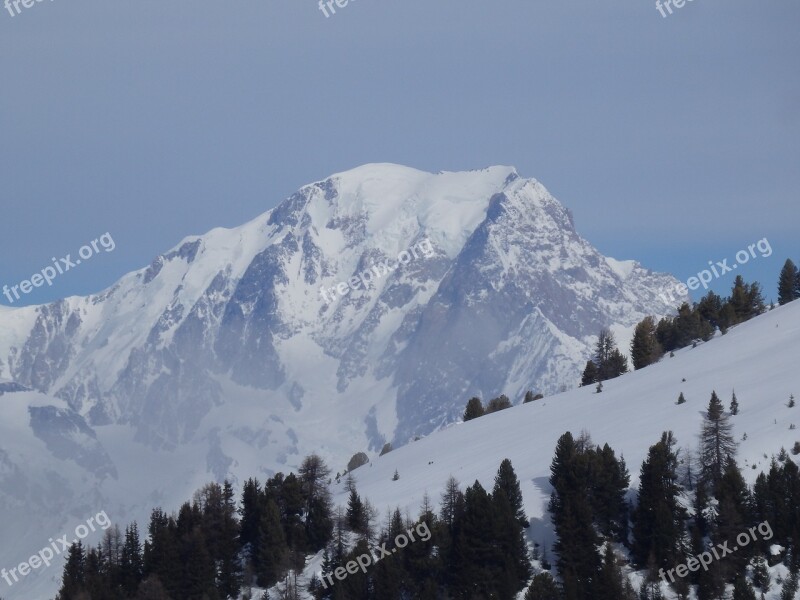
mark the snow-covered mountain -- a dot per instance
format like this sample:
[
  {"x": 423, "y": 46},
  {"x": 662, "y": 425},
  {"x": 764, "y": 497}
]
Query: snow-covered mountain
[{"x": 238, "y": 352}]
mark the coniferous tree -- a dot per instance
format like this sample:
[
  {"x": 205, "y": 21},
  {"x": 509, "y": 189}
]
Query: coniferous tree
[
  {"x": 665, "y": 334},
  {"x": 452, "y": 503},
  {"x": 790, "y": 586},
  {"x": 716, "y": 442},
  {"x": 161, "y": 552},
  {"x": 292, "y": 503},
  {"x": 512, "y": 549},
  {"x": 314, "y": 476},
  {"x": 710, "y": 308},
  {"x": 355, "y": 512},
  {"x": 734, "y": 512},
  {"x": 610, "y": 362},
  {"x": 681, "y": 399},
  {"x": 689, "y": 326},
  {"x": 250, "y": 515},
  {"x": 496, "y": 404},
  {"x": 230, "y": 578},
  {"x": 571, "y": 512},
  {"x": 727, "y": 317},
  {"x": 746, "y": 300},
  {"x": 734, "y": 405},
  {"x": 658, "y": 518},
  {"x": 543, "y": 587},
  {"x": 531, "y": 397},
  {"x": 609, "y": 480},
  {"x": 475, "y": 557},
  {"x": 589, "y": 373},
  {"x": 761, "y": 577},
  {"x": 612, "y": 582},
  {"x": 742, "y": 590},
  {"x": 197, "y": 580},
  {"x": 272, "y": 549},
  {"x": 474, "y": 409},
  {"x": 131, "y": 563},
  {"x": 152, "y": 589},
  {"x": 506, "y": 480},
  {"x": 788, "y": 283},
  {"x": 645, "y": 349},
  {"x": 73, "y": 581}
]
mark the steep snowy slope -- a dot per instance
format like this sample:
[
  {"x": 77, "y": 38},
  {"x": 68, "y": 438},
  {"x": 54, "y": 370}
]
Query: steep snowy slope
[{"x": 758, "y": 359}]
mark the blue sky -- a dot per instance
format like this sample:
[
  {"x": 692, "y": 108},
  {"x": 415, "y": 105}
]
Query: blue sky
[{"x": 674, "y": 141}]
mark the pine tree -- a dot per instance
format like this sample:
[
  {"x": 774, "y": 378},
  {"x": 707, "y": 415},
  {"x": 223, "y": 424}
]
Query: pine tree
[
  {"x": 788, "y": 283},
  {"x": 734, "y": 405},
  {"x": 355, "y": 512},
  {"x": 477, "y": 560},
  {"x": 589, "y": 373},
  {"x": 198, "y": 572},
  {"x": 314, "y": 476},
  {"x": 608, "y": 359},
  {"x": 161, "y": 553},
  {"x": 710, "y": 308},
  {"x": 506, "y": 480},
  {"x": 791, "y": 401},
  {"x": 790, "y": 585},
  {"x": 513, "y": 550},
  {"x": 747, "y": 300},
  {"x": 609, "y": 480},
  {"x": 689, "y": 326},
  {"x": 571, "y": 512},
  {"x": 474, "y": 409},
  {"x": 452, "y": 503},
  {"x": 73, "y": 580},
  {"x": 230, "y": 570},
  {"x": 645, "y": 349},
  {"x": 497, "y": 404},
  {"x": 611, "y": 583},
  {"x": 251, "y": 515},
  {"x": 272, "y": 549},
  {"x": 681, "y": 399},
  {"x": 531, "y": 397},
  {"x": 734, "y": 508},
  {"x": 716, "y": 442},
  {"x": 665, "y": 334},
  {"x": 742, "y": 590},
  {"x": 543, "y": 587},
  {"x": 131, "y": 563},
  {"x": 658, "y": 518},
  {"x": 761, "y": 577}
]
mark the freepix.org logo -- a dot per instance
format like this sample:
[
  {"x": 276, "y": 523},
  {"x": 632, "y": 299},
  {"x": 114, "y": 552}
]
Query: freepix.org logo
[
  {"x": 59, "y": 267},
  {"x": 44, "y": 557},
  {"x": 15, "y": 4}
]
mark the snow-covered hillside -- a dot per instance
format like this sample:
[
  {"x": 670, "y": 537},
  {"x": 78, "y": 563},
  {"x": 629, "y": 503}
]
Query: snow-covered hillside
[{"x": 758, "y": 359}]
